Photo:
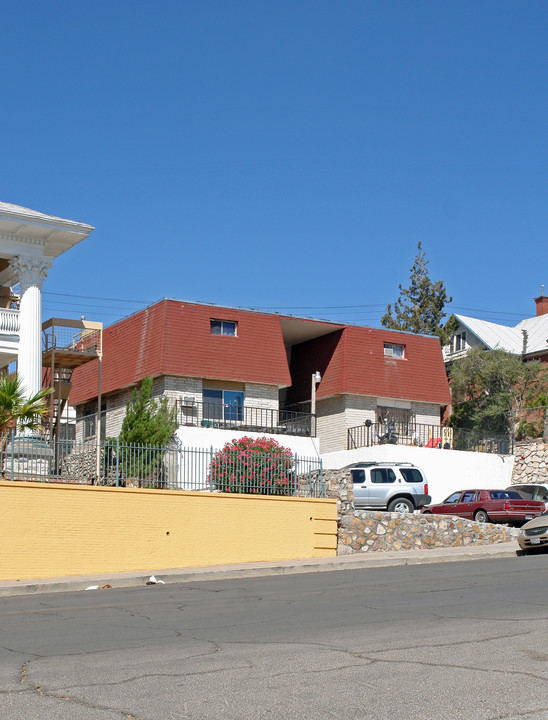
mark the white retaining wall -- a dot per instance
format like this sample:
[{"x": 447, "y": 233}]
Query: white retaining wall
[
  {"x": 445, "y": 470},
  {"x": 198, "y": 437}
]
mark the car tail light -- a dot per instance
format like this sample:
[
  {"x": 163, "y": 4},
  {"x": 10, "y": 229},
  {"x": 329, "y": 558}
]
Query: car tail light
[
  {"x": 507, "y": 506},
  {"x": 426, "y": 488}
]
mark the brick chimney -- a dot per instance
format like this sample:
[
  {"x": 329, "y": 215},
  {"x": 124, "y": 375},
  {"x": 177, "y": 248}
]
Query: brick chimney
[{"x": 542, "y": 303}]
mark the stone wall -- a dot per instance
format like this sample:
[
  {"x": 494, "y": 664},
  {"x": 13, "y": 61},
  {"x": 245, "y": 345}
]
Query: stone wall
[
  {"x": 365, "y": 531},
  {"x": 370, "y": 530},
  {"x": 531, "y": 462},
  {"x": 338, "y": 486}
]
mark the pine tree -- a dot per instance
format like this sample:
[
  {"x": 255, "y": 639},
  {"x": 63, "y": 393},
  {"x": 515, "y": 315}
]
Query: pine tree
[
  {"x": 147, "y": 421},
  {"x": 419, "y": 308},
  {"x": 146, "y": 429}
]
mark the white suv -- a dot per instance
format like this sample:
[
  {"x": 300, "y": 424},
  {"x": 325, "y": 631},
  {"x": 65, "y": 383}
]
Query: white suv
[
  {"x": 532, "y": 491},
  {"x": 396, "y": 487}
]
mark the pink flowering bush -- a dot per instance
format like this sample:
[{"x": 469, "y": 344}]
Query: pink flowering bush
[{"x": 253, "y": 465}]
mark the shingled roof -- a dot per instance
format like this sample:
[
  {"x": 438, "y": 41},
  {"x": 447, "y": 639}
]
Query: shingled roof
[{"x": 174, "y": 338}]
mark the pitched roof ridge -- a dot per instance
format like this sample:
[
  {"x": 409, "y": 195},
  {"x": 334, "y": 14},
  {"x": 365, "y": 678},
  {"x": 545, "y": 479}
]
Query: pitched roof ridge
[{"x": 20, "y": 210}]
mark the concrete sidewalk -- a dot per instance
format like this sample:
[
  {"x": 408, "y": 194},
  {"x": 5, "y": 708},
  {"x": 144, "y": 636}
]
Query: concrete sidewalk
[{"x": 245, "y": 570}]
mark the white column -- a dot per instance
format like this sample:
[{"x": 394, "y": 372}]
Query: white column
[{"x": 30, "y": 271}]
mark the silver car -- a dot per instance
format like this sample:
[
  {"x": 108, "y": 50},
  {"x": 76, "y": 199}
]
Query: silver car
[
  {"x": 396, "y": 487},
  {"x": 534, "y": 534}
]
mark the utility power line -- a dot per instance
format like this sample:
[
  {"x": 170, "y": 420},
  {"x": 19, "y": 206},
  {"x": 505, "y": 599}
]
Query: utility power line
[{"x": 370, "y": 309}]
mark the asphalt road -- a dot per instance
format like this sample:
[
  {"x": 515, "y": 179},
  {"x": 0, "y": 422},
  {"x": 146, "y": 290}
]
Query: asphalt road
[{"x": 457, "y": 640}]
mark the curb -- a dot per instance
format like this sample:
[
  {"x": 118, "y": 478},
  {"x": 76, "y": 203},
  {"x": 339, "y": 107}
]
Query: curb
[{"x": 10, "y": 588}]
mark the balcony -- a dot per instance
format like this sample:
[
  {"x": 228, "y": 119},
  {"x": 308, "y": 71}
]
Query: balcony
[
  {"x": 70, "y": 343},
  {"x": 9, "y": 336},
  {"x": 427, "y": 436},
  {"x": 9, "y": 322},
  {"x": 245, "y": 419}
]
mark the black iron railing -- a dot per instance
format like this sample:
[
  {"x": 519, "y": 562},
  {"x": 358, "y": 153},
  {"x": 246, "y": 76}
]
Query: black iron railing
[
  {"x": 429, "y": 436},
  {"x": 240, "y": 417},
  {"x": 170, "y": 467}
]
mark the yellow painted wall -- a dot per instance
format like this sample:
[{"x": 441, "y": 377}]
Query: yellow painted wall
[{"x": 50, "y": 530}]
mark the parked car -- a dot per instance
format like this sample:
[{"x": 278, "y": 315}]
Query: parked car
[
  {"x": 396, "y": 487},
  {"x": 505, "y": 506},
  {"x": 534, "y": 534},
  {"x": 532, "y": 491}
]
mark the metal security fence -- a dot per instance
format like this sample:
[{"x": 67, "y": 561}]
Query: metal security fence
[
  {"x": 241, "y": 417},
  {"x": 429, "y": 436},
  {"x": 173, "y": 467}
]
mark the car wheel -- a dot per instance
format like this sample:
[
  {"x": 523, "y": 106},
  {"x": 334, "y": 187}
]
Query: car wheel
[
  {"x": 401, "y": 505},
  {"x": 481, "y": 516}
]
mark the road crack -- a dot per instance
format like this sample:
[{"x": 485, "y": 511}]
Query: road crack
[{"x": 67, "y": 698}]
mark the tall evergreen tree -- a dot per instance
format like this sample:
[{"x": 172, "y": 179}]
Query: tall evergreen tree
[
  {"x": 419, "y": 308},
  {"x": 147, "y": 421},
  {"x": 146, "y": 429}
]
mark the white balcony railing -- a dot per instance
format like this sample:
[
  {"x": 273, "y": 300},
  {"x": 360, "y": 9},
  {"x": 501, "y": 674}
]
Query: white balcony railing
[{"x": 9, "y": 322}]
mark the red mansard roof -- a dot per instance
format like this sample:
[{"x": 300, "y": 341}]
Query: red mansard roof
[
  {"x": 174, "y": 338},
  {"x": 420, "y": 375},
  {"x": 353, "y": 361}
]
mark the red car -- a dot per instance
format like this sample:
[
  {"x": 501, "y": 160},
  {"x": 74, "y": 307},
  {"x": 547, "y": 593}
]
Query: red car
[{"x": 505, "y": 506}]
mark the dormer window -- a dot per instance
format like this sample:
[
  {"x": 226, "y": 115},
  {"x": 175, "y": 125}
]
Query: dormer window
[
  {"x": 223, "y": 327},
  {"x": 459, "y": 342},
  {"x": 391, "y": 350}
]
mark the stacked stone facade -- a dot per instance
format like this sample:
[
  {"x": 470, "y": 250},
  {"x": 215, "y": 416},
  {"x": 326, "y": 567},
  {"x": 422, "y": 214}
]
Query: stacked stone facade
[
  {"x": 530, "y": 462},
  {"x": 368, "y": 531},
  {"x": 371, "y": 531},
  {"x": 338, "y": 487}
]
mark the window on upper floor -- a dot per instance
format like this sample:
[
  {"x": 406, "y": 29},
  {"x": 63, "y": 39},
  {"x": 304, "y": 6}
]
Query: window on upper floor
[
  {"x": 223, "y": 327},
  {"x": 391, "y": 350},
  {"x": 459, "y": 342}
]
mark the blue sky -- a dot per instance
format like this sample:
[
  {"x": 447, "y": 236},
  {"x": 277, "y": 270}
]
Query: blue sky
[{"x": 282, "y": 155}]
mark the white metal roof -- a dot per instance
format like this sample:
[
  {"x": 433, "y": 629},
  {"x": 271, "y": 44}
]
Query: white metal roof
[
  {"x": 537, "y": 333},
  {"x": 510, "y": 339},
  {"x": 22, "y": 212}
]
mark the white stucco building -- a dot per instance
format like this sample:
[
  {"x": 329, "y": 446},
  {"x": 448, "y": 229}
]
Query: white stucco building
[
  {"x": 29, "y": 243},
  {"x": 528, "y": 339}
]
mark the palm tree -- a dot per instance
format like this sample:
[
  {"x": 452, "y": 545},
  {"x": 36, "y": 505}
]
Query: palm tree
[{"x": 18, "y": 411}]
